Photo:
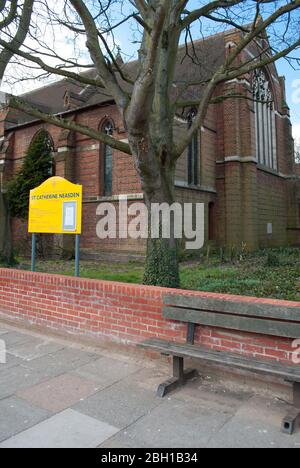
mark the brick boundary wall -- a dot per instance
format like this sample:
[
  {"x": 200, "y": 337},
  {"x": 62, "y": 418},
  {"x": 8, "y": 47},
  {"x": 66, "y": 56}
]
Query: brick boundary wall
[{"x": 122, "y": 313}]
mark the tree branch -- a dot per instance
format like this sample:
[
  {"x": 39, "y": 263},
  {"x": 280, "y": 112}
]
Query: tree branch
[
  {"x": 206, "y": 10},
  {"x": 11, "y": 15},
  {"x": 106, "y": 74},
  {"x": 19, "y": 38},
  {"x": 57, "y": 120},
  {"x": 259, "y": 29},
  {"x": 259, "y": 64},
  {"x": 141, "y": 91},
  {"x": 141, "y": 6},
  {"x": 81, "y": 78}
]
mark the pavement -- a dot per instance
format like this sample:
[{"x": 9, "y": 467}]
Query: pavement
[{"x": 57, "y": 393}]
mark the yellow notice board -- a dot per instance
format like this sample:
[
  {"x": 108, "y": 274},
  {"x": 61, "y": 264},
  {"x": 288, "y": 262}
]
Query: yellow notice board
[{"x": 55, "y": 207}]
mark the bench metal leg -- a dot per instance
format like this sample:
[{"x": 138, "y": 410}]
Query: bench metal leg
[
  {"x": 180, "y": 377},
  {"x": 292, "y": 421}
]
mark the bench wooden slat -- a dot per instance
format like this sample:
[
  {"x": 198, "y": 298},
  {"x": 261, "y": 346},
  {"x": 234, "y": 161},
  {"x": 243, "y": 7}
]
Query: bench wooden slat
[
  {"x": 234, "y": 322},
  {"x": 225, "y": 359},
  {"x": 253, "y": 309}
]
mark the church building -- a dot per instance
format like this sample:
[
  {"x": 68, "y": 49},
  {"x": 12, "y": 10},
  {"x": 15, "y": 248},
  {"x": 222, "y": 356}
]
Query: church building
[{"x": 240, "y": 165}]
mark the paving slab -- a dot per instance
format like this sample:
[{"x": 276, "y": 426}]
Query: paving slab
[
  {"x": 59, "y": 393},
  {"x": 256, "y": 425},
  {"x": 213, "y": 394},
  {"x": 149, "y": 378},
  {"x": 13, "y": 337},
  {"x": 17, "y": 415},
  {"x": 65, "y": 360},
  {"x": 106, "y": 371},
  {"x": 173, "y": 424},
  {"x": 34, "y": 348},
  {"x": 196, "y": 392},
  {"x": 11, "y": 361},
  {"x": 68, "y": 429},
  {"x": 109, "y": 399},
  {"x": 16, "y": 378},
  {"x": 119, "y": 405}
]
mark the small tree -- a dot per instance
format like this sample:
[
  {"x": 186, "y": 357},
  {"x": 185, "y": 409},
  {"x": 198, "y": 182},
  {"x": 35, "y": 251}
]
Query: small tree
[
  {"x": 37, "y": 167},
  {"x": 6, "y": 247}
]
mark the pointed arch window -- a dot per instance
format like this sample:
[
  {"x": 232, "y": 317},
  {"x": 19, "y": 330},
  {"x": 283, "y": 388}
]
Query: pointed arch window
[
  {"x": 107, "y": 158},
  {"x": 193, "y": 153},
  {"x": 265, "y": 124}
]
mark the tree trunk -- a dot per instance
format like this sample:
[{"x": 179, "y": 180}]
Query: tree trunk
[
  {"x": 6, "y": 247},
  {"x": 155, "y": 165},
  {"x": 162, "y": 265}
]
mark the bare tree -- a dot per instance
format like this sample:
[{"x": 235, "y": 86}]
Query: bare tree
[
  {"x": 14, "y": 17},
  {"x": 146, "y": 100}
]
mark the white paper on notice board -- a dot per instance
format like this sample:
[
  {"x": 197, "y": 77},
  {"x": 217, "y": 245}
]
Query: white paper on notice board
[{"x": 69, "y": 216}]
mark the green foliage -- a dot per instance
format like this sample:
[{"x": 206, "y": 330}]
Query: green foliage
[
  {"x": 6, "y": 247},
  {"x": 36, "y": 168},
  {"x": 161, "y": 267},
  {"x": 252, "y": 276},
  {"x": 272, "y": 260},
  {"x": 8, "y": 261}
]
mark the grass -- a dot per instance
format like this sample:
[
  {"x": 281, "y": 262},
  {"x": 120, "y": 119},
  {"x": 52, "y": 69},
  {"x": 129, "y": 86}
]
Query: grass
[
  {"x": 130, "y": 272},
  {"x": 269, "y": 273}
]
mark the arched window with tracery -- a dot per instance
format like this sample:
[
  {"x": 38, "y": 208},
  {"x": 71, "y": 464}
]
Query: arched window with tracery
[
  {"x": 107, "y": 160},
  {"x": 265, "y": 124}
]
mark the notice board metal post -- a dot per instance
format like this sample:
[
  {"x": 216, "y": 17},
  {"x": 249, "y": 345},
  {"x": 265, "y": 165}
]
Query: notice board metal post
[
  {"x": 77, "y": 255},
  {"x": 33, "y": 252}
]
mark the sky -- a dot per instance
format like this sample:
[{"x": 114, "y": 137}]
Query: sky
[
  {"x": 124, "y": 38},
  {"x": 293, "y": 93}
]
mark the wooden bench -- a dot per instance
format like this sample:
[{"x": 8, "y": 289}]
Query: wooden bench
[{"x": 253, "y": 317}]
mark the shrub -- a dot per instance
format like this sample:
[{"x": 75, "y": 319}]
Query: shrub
[
  {"x": 272, "y": 260},
  {"x": 36, "y": 168}
]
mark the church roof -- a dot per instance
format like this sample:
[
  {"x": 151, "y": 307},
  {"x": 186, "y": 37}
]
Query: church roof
[{"x": 196, "y": 63}]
